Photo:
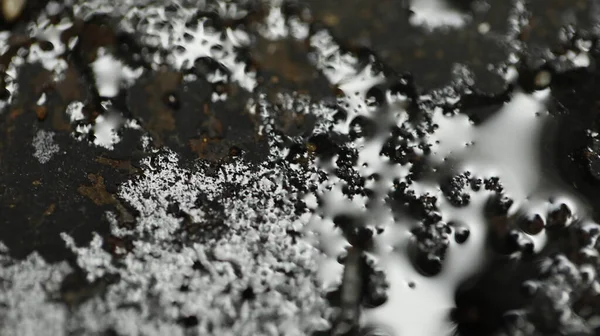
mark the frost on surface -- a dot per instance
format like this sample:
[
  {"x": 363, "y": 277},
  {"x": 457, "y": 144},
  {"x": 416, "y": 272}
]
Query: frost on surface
[
  {"x": 26, "y": 290},
  {"x": 44, "y": 146},
  {"x": 214, "y": 249},
  {"x": 253, "y": 279},
  {"x": 106, "y": 128},
  {"x": 93, "y": 259},
  {"x": 182, "y": 37}
]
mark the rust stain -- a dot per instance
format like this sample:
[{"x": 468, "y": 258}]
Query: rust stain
[
  {"x": 331, "y": 20},
  {"x": 41, "y": 112},
  {"x": 97, "y": 191},
  {"x": 121, "y": 165},
  {"x": 50, "y": 209}
]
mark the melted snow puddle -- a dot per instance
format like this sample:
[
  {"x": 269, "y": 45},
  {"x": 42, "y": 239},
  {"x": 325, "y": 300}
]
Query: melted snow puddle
[
  {"x": 420, "y": 305},
  {"x": 506, "y": 145}
]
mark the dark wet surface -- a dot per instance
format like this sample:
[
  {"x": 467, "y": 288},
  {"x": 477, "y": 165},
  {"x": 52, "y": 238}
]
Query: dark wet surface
[{"x": 71, "y": 192}]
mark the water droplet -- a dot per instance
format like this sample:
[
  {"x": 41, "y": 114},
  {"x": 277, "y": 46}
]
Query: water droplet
[
  {"x": 461, "y": 234},
  {"x": 532, "y": 226}
]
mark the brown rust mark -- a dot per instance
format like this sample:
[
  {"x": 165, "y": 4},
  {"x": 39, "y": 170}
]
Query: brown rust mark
[
  {"x": 121, "y": 165},
  {"x": 97, "y": 191},
  {"x": 331, "y": 19},
  {"x": 50, "y": 209},
  {"x": 41, "y": 112}
]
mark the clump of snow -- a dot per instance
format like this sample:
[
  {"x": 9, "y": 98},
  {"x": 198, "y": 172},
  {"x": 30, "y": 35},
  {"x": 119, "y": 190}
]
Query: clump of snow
[
  {"x": 98, "y": 261},
  {"x": 252, "y": 279},
  {"x": 75, "y": 111},
  {"x": 275, "y": 26},
  {"x": 44, "y": 146},
  {"x": 104, "y": 128},
  {"x": 111, "y": 74},
  {"x": 26, "y": 291}
]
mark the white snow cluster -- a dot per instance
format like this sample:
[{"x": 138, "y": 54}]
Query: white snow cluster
[
  {"x": 164, "y": 278},
  {"x": 27, "y": 287},
  {"x": 44, "y": 146}
]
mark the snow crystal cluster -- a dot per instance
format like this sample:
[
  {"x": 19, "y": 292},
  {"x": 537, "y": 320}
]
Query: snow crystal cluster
[
  {"x": 44, "y": 146},
  {"x": 27, "y": 287},
  {"x": 255, "y": 279}
]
